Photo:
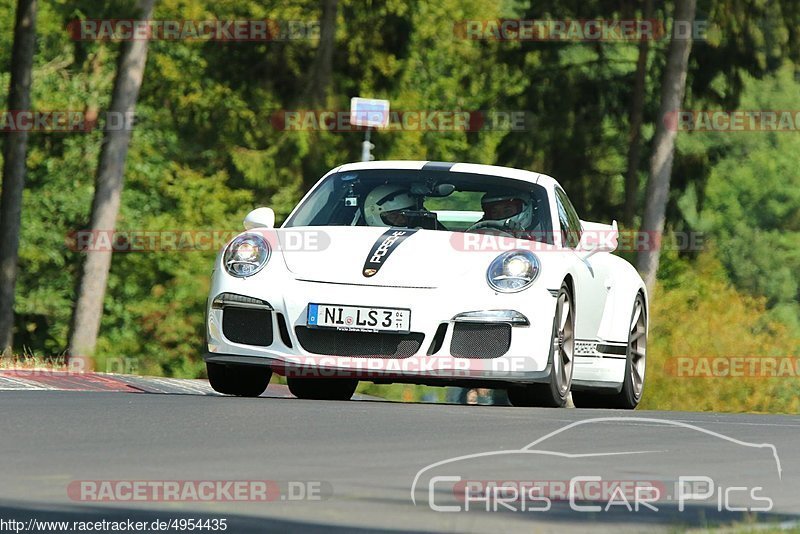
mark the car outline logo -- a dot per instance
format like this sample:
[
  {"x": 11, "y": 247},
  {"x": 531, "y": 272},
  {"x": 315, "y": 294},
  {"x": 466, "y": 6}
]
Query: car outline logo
[{"x": 528, "y": 449}]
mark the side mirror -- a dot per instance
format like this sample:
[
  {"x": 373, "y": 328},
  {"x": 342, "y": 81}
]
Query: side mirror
[
  {"x": 260, "y": 218},
  {"x": 598, "y": 238}
]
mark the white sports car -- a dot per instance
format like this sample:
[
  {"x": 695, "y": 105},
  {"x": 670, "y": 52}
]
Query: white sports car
[{"x": 448, "y": 274}]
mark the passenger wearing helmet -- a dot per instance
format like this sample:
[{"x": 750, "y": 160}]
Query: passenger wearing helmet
[
  {"x": 509, "y": 212},
  {"x": 384, "y": 205}
]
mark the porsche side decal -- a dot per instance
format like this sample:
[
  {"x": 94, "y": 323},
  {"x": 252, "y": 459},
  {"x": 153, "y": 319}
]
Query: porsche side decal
[{"x": 383, "y": 248}]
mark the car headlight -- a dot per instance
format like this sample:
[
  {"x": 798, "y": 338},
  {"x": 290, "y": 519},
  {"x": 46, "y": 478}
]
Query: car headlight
[
  {"x": 246, "y": 255},
  {"x": 513, "y": 271}
]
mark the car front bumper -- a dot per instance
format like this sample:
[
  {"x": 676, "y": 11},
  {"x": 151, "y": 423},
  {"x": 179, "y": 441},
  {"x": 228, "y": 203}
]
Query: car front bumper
[{"x": 452, "y": 337}]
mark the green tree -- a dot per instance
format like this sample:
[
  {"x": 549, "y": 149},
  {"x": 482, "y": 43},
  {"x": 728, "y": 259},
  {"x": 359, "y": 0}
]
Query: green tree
[
  {"x": 108, "y": 191},
  {"x": 15, "y": 151}
]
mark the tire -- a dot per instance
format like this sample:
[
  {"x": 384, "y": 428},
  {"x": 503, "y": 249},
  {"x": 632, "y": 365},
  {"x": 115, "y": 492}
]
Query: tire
[
  {"x": 635, "y": 365},
  {"x": 238, "y": 380},
  {"x": 322, "y": 388},
  {"x": 555, "y": 392}
]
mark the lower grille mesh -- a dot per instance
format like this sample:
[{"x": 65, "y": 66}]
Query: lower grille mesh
[
  {"x": 476, "y": 340},
  {"x": 359, "y": 344},
  {"x": 247, "y": 326}
]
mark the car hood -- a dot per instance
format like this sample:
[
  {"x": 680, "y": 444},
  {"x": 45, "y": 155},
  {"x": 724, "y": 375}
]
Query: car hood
[{"x": 380, "y": 256}]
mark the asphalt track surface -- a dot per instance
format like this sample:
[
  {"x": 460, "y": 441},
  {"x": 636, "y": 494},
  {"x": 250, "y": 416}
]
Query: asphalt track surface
[{"x": 365, "y": 455}]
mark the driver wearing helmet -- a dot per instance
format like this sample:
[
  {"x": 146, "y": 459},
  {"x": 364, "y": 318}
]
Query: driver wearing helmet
[
  {"x": 508, "y": 212},
  {"x": 384, "y": 206}
]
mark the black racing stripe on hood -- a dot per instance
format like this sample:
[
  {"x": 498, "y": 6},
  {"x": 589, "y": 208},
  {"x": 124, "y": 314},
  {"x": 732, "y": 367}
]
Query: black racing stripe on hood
[
  {"x": 383, "y": 248},
  {"x": 437, "y": 166}
]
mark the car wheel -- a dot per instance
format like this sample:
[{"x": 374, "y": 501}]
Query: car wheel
[
  {"x": 239, "y": 380},
  {"x": 562, "y": 350},
  {"x": 322, "y": 388},
  {"x": 635, "y": 363}
]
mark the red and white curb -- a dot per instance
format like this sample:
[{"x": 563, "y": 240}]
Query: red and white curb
[
  {"x": 40, "y": 379},
  {"x": 47, "y": 380}
]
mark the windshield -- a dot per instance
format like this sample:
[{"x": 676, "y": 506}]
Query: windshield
[{"x": 432, "y": 200}]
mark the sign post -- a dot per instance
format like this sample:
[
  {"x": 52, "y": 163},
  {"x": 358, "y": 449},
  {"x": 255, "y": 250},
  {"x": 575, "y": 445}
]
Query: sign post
[{"x": 371, "y": 113}]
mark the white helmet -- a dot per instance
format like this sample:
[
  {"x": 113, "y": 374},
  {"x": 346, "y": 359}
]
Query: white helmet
[
  {"x": 515, "y": 211},
  {"x": 384, "y": 199}
]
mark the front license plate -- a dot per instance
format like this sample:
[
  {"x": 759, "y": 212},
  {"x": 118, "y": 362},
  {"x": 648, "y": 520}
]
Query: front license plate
[{"x": 359, "y": 318}]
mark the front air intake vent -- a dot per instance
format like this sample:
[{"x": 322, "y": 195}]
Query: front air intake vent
[
  {"x": 284, "y": 330},
  {"x": 247, "y": 326},
  {"x": 438, "y": 339},
  {"x": 480, "y": 340}
]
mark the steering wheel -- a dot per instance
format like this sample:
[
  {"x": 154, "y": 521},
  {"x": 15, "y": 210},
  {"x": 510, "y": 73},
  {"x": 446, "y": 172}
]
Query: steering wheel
[{"x": 494, "y": 227}]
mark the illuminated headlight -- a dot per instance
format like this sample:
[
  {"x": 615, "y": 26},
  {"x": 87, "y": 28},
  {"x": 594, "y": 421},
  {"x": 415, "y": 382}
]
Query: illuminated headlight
[
  {"x": 513, "y": 271},
  {"x": 246, "y": 255}
]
